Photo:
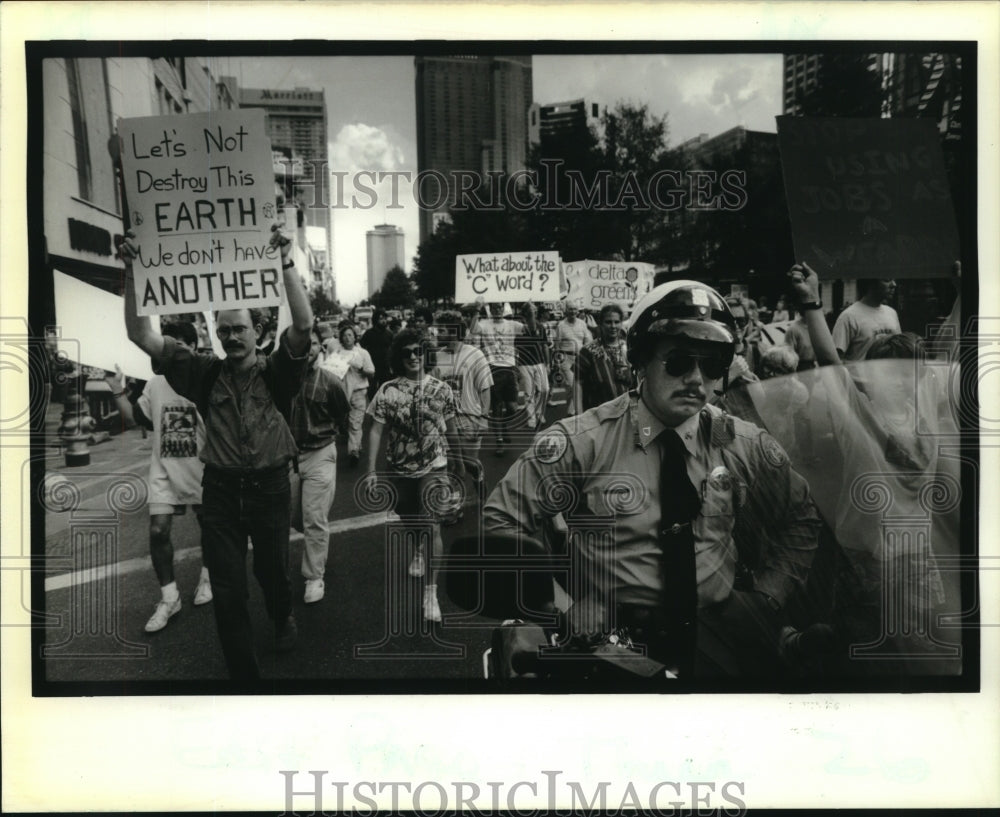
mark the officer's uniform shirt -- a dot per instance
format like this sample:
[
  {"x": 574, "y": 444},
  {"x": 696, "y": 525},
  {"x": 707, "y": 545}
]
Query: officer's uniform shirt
[{"x": 609, "y": 459}]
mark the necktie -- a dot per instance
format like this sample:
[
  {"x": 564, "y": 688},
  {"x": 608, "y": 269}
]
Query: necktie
[{"x": 679, "y": 504}]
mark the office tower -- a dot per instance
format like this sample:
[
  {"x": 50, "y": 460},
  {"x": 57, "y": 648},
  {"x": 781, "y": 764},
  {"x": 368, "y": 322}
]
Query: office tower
[
  {"x": 297, "y": 125},
  {"x": 561, "y": 119},
  {"x": 471, "y": 116},
  {"x": 385, "y": 251}
]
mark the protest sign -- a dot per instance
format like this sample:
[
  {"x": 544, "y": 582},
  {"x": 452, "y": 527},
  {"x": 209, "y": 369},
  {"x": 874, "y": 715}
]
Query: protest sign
[
  {"x": 200, "y": 194},
  {"x": 868, "y": 198},
  {"x": 592, "y": 284},
  {"x": 507, "y": 276}
]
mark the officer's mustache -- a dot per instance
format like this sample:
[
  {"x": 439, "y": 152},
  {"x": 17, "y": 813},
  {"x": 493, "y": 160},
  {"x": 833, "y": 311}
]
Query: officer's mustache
[{"x": 696, "y": 393}]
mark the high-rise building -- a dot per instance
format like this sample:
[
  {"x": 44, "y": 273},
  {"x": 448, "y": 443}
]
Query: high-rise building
[
  {"x": 297, "y": 125},
  {"x": 385, "y": 251},
  {"x": 471, "y": 116},
  {"x": 558, "y": 119},
  {"x": 926, "y": 85},
  {"x": 912, "y": 84},
  {"x": 83, "y": 97},
  {"x": 798, "y": 78}
]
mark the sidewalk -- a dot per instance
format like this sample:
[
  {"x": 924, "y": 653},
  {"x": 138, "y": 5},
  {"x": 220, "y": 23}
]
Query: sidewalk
[{"x": 122, "y": 454}]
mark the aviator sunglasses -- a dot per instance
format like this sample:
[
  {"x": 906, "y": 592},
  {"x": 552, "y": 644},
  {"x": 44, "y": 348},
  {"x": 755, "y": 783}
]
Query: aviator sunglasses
[{"x": 677, "y": 363}]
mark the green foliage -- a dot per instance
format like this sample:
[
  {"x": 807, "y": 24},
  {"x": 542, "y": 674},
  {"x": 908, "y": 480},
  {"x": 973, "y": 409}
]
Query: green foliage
[
  {"x": 396, "y": 291},
  {"x": 321, "y": 303},
  {"x": 591, "y": 199}
]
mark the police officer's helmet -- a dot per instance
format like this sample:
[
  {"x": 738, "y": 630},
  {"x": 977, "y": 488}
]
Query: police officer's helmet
[{"x": 679, "y": 309}]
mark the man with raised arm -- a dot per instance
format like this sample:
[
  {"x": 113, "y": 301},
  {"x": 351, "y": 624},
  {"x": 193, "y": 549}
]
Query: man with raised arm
[{"x": 248, "y": 450}]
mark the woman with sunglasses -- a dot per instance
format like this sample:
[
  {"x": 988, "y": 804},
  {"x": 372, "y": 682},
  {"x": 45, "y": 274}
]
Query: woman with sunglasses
[{"x": 418, "y": 413}]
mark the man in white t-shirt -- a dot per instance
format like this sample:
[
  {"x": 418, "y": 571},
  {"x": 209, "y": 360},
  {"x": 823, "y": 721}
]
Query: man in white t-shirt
[
  {"x": 570, "y": 337},
  {"x": 466, "y": 370},
  {"x": 496, "y": 338},
  {"x": 175, "y": 472},
  {"x": 863, "y": 321}
]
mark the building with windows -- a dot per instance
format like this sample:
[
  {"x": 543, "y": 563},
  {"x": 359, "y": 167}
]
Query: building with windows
[
  {"x": 913, "y": 84},
  {"x": 561, "y": 119},
  {"x": 297, "y": 125},
  {"x": 82, "y": 100},
  {"x": 385, "y": 251},
  {"x": 800, "y": 75},
  {"x": 471, "y": 117}
]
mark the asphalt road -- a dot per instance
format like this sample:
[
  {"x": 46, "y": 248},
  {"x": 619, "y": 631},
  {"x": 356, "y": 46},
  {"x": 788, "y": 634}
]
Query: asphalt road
[{"x": 101, "y": 589}]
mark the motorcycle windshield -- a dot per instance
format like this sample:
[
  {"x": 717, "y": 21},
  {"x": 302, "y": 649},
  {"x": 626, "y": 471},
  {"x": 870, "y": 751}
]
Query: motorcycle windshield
[{"x": 878, "y": 443}]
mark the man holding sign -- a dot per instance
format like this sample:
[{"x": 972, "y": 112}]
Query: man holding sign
[{"x": 248, "y": 448}]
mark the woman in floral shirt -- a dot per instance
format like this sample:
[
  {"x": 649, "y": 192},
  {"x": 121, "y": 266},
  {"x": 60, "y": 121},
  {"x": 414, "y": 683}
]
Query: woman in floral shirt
[{"x": 417, "y": 412}]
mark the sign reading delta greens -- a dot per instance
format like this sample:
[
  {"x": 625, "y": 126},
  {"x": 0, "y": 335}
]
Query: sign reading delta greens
[
  {"x": 200, "y": 192},
  {"x": 868, "y": 198},
  {"x": 593, "y": 284},
  {"x": 507, "y": 276}
]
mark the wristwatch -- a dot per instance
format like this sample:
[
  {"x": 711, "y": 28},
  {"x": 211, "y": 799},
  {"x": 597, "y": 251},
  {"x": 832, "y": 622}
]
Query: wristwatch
[{"x": 811, "y": 305}]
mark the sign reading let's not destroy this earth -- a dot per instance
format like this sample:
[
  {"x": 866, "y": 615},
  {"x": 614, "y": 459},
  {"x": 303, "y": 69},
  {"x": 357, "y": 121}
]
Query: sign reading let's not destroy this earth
[{"x": 200, "y": 193}]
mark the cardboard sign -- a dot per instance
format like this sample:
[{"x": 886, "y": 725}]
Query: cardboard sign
[
  {"x": 500, "y": 277},
  {"x": 593, "y": 284},
  {"x": 868, "y": 198},
  {"x": 200, "y": 193}
]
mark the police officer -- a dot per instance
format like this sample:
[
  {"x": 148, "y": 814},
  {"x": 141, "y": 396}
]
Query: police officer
[{"x": 707, "y": 530}]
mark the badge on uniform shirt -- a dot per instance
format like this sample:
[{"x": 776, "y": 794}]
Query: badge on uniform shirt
[
  {"x": 720, "y": 480},
  {"x": 551, "y": 446},
  {"x": 772, "y": 450}
]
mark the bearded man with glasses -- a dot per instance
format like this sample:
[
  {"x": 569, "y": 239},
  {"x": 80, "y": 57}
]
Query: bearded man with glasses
[
  {"x": 709, "y": 530},
  {"x": 248, "y": 451}
]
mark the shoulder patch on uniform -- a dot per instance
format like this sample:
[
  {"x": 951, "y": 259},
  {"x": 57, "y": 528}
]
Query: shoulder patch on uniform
[
  {"x": 550, "y": 447},
  {"x": 772, "y": 450}
]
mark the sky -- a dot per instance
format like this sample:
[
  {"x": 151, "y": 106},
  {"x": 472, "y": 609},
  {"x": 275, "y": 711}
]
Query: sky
[{"x": 371, "y": 116}]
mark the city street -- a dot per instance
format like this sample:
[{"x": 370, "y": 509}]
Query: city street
[{"x": 102, "y": 589}]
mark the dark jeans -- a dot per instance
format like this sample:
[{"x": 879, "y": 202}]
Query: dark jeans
[{"x": 235, "y": 506}]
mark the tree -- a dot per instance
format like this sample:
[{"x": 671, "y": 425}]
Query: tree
[
  {"x": 396, "y": 291},
  {"x": 471, "y": 231},
  {"x": 321, "y": 303},
  {"x": 590, "y": 200},
  {"x": 724, "y": 243},
  {"x": 634, "y": 147}
]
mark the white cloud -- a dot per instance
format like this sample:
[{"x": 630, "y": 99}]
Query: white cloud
[{"x": 364, "y": 147}]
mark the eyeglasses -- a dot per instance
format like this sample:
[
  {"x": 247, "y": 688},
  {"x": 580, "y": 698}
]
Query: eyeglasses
[
  {"x": 237, "y": 331},
  {"x": 678, "y": 363},
  {"x": 410, "y": 351}
]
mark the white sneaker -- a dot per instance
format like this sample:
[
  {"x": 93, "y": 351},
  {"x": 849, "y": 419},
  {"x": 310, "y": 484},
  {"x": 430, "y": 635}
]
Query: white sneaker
[
  {"x": 165, "y": 610},
  {"x": 432, "y": 612},
  {"x": 203, "y": 592},
  {"x": 314, "y": 590},
  {"x": 417, "y": 566}
]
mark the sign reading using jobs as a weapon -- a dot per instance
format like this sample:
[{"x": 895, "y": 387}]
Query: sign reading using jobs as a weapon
[
  {"x": 868, "y": 198},
  {"x": 507, "y": 276},
  {"x": 200, "y": 198}
]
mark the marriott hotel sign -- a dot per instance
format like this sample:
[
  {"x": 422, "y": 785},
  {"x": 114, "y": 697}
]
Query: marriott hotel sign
[{"x": 252, "y": 95}]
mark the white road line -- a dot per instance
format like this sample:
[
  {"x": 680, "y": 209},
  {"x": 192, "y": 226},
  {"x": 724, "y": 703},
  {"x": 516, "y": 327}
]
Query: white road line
[{"x": 123, "y": 568}]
